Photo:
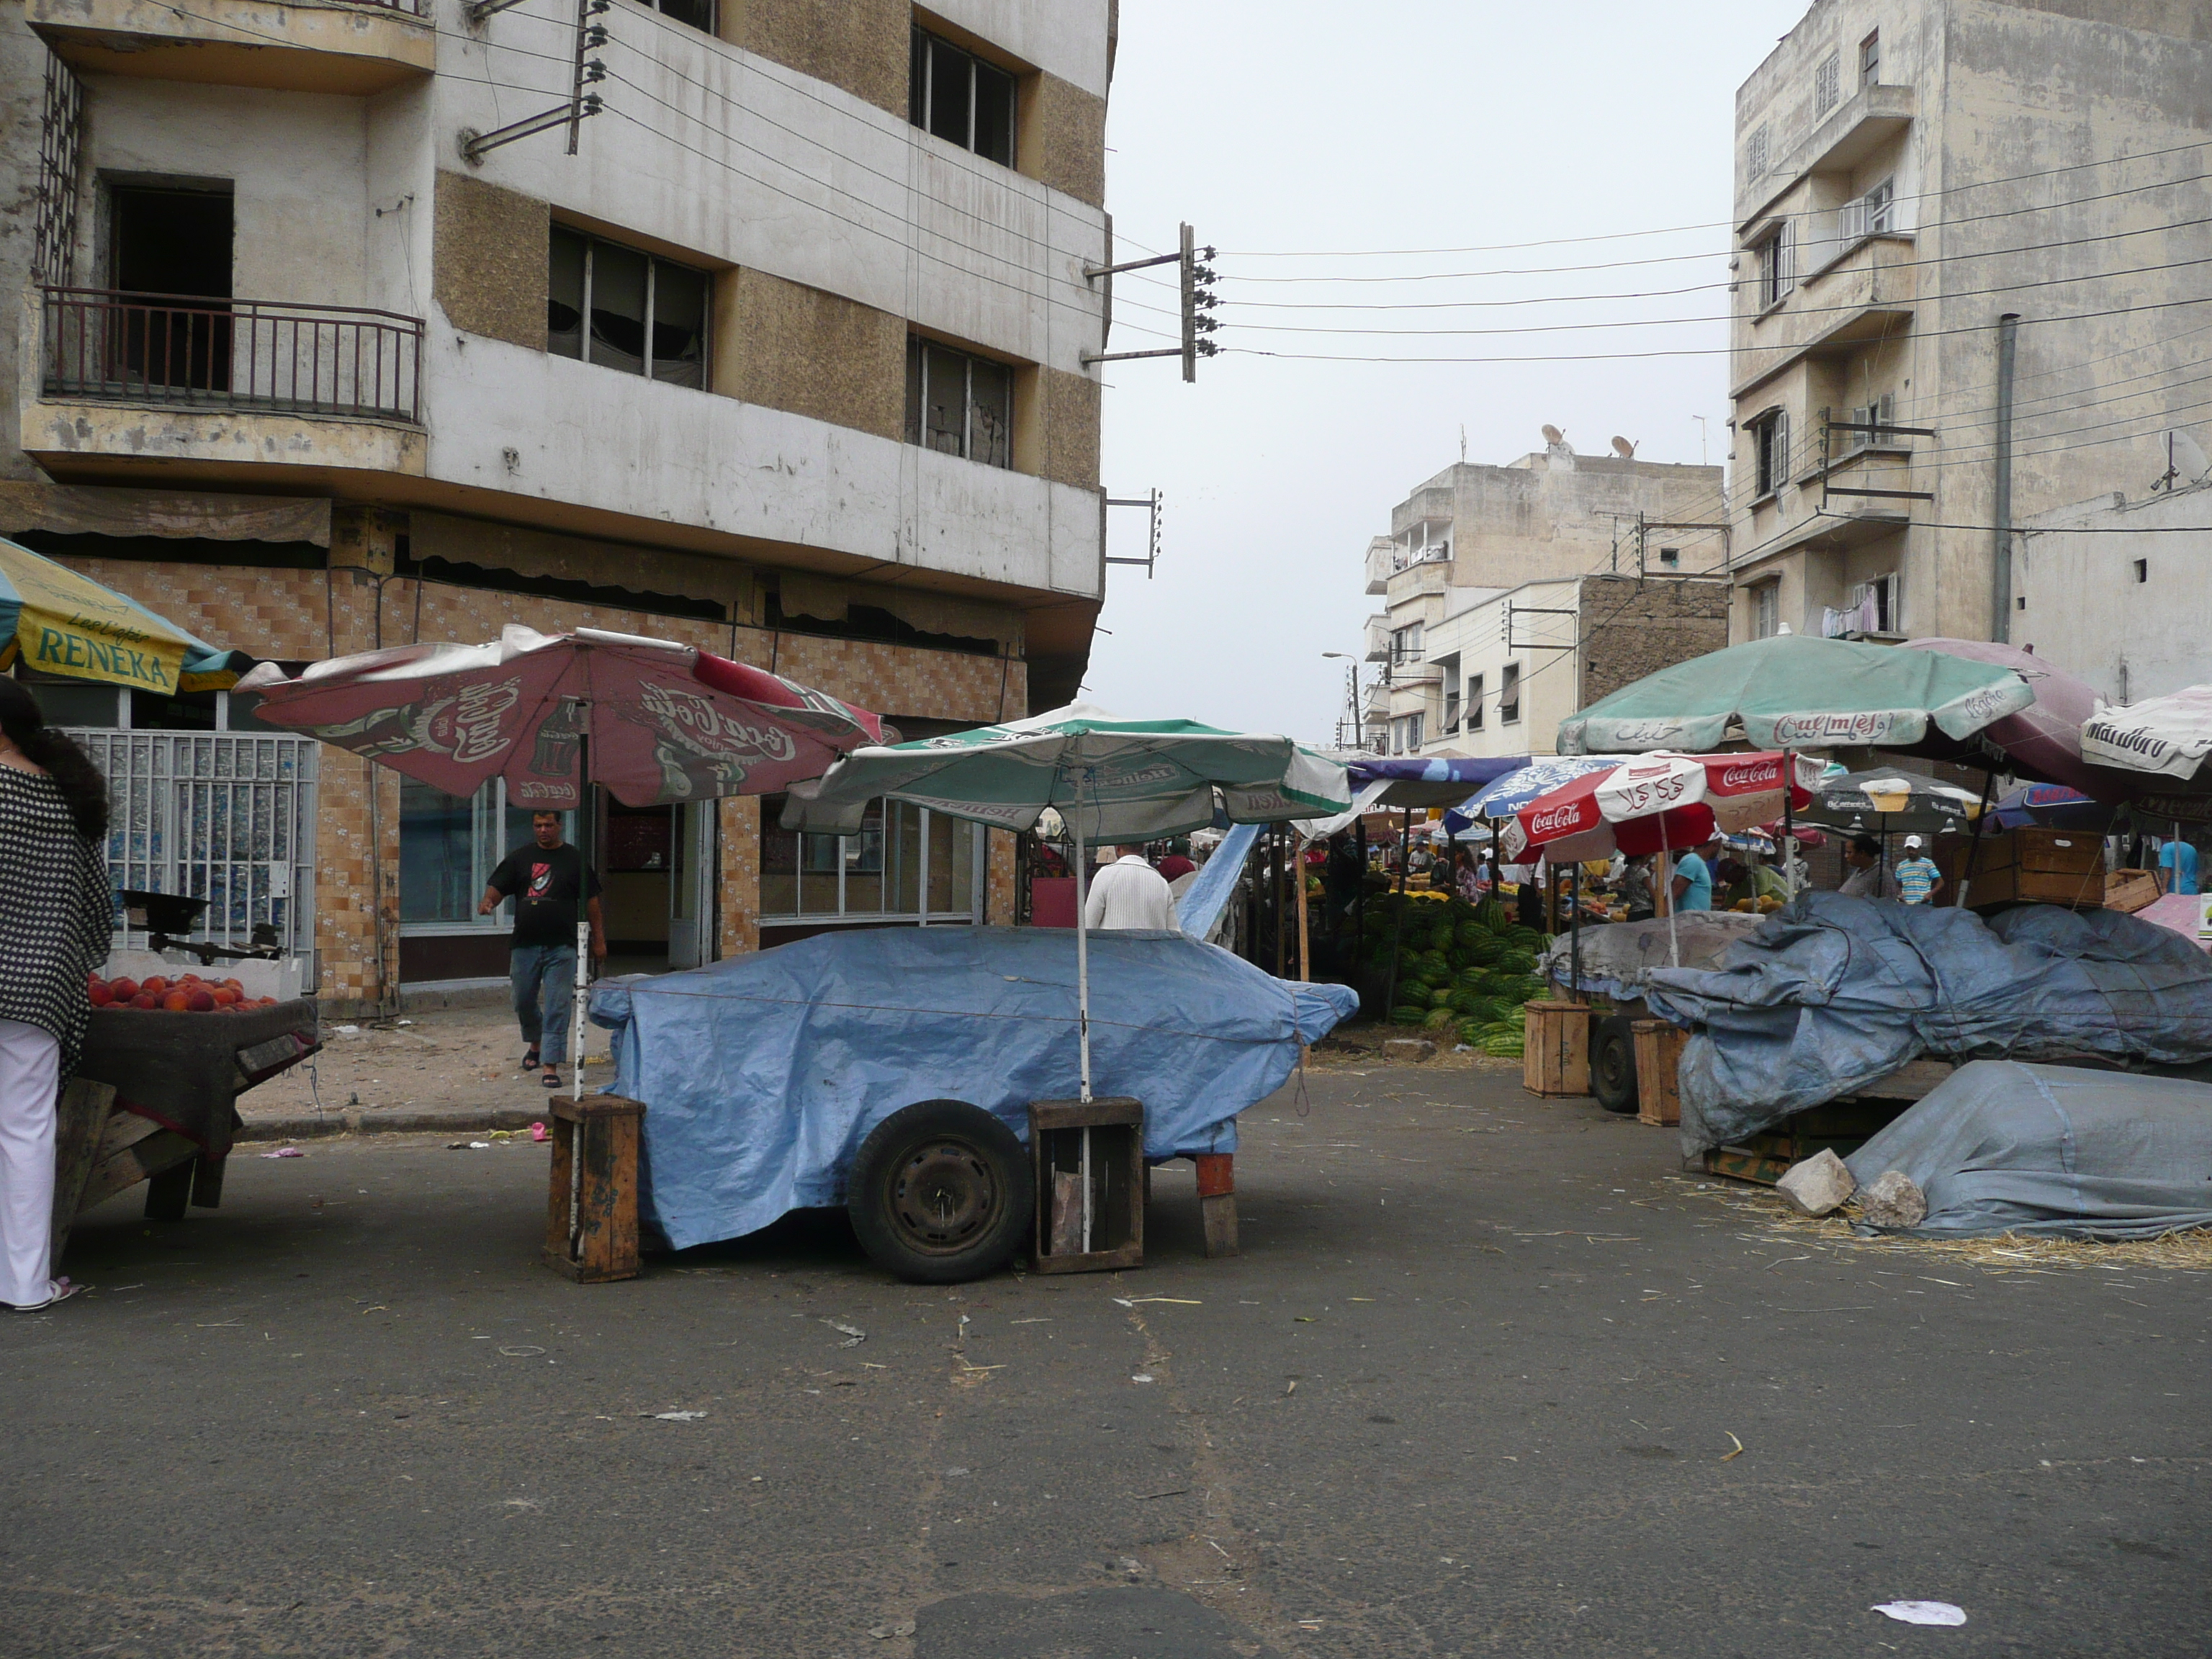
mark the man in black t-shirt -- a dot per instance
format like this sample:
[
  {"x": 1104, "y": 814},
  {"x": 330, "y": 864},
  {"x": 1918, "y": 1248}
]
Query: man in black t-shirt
[{"x": 544, "y": 879}]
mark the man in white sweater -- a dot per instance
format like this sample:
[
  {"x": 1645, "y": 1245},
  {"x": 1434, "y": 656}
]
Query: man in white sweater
[{"x": 1129, "y": 893}]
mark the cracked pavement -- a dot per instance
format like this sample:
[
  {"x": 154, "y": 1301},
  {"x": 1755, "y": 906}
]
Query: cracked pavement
[{"x": 1474, "y": 1388}]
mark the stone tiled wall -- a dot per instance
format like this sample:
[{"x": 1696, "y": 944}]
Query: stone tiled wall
[{"x": 295, "y": 614}]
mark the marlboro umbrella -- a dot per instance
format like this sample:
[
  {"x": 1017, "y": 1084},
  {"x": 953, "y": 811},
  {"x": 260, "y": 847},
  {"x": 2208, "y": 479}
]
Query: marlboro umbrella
[
  {"x": 652, "y": 721},
  {"x": 1657, "y": 803}
]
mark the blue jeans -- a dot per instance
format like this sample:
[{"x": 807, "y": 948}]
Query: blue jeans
[{"x": 544, "y": 978}]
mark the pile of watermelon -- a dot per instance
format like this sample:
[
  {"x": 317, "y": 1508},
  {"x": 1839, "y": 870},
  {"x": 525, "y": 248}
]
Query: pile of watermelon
[
  {"x": 187, "y": 994},
  {"x": 1463, "y": 971}
]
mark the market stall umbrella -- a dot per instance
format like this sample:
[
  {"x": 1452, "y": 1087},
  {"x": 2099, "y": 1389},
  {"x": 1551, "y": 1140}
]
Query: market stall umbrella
[
  {"x": 2043, "y": 741},
  {"x": 653, "y": 720},
  {"x": 1794, "y": 692},
  {"x": 2164, "y": 737},
  {"x": 57, "y": 622},
  {"x": 2051, "y": 806},
  {"x": 1540, "y": 775},
  {"x": 1905, "y": 802},
  {"x": 1112, "y": 780}
]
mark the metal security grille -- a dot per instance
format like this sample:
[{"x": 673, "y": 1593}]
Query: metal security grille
[
  {"x": 225, "y": 815},
  {"x": 61, "y": 130}
]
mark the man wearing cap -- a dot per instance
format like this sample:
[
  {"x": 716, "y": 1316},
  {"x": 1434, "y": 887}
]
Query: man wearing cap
[{"x": 1918, "y": 880}]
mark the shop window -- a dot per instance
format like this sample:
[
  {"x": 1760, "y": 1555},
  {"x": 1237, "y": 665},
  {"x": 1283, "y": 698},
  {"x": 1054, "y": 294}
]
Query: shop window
[
  {"x": 959, "y": 404},
  {"x": 955, "y": 95},
  {"x": 449, "y": 845},
  {"x": 904, "y": 863},
  {"x": 621, "y": 308}
]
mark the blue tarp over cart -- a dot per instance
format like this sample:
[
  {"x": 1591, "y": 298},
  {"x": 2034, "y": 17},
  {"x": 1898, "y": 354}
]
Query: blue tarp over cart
[{"x": 761, "y": 1074}]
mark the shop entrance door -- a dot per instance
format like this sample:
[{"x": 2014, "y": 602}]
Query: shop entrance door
[{"x": 691, "y": 883}]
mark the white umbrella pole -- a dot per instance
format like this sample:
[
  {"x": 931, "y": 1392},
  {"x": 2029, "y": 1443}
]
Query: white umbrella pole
[
  {"x": 1082, "y": 953},
  {"x": 586, "y": 824},
  {"x": 1667, "y": 875}
]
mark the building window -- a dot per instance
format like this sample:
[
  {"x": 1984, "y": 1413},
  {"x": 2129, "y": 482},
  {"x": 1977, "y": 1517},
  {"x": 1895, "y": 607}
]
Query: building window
[
  {"x": 1406, "y": 644},
  {"x": 1776, "y": 276},
  {"x": 1755, "y": 150},
  {"x": 1828, "y": 84},
  {"x": 1770, "y": 438},
  {"x": 1869, "y": 423},
  {"x": 1870, "y": 60},
  {"x": 1451, "y": 667},
  {"x": 699, "y": 13},
  {"x": 1475, "y": 702},
  {"x": 449, "y": 845},
  {"x": 959, "y": 404},
  {"x": 1670, "y": 558},
  {"x": 1873, "y": 213},
  {"x": 957, "y": 97},
  {"x": 1508, "y": 694},
  {"x": 1765, "y": 609},
  {"x": 906, "y": 864},
  {"x": 2143, "y": 570},
  {"x": 646, "y": 315}
]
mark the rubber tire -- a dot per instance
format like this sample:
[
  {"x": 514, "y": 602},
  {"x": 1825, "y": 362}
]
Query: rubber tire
[
  {"x": 1001, "y": 1164},
  {"x": 1613, "y": 1065}
]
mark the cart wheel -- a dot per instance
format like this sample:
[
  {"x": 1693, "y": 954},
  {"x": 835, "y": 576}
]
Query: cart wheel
[
  {"x": 1613, "y": 1066},
  {"x": 940, "y": 1193}
]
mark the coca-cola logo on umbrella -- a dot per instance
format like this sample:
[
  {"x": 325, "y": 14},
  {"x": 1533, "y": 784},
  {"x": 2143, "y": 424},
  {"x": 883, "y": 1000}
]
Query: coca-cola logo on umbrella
[{"x": 697, "y": 724}]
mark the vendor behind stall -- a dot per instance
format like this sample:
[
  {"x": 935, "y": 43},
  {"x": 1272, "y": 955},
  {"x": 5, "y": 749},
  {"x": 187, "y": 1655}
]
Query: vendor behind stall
[
  {"x": 545, "y": 878},
  {"x": 1866, "y": 879}
]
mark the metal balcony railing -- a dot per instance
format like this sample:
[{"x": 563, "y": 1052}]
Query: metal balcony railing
[{"x": 252, "y": 355}]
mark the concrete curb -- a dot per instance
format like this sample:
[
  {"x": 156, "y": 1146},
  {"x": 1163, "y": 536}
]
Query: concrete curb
[{"x": 397, "y": 1120}]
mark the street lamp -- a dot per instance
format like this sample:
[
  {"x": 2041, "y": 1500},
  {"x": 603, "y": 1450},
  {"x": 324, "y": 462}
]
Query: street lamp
[{"x": 1358, "y": 714}]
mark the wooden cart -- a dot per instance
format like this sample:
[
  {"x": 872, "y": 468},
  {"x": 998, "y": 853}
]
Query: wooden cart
[{"x": 154, "y": 1099}]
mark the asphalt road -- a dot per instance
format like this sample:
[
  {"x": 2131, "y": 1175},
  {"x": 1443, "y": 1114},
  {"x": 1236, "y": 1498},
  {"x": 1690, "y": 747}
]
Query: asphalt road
[{"x": 1472, "y": 1388}]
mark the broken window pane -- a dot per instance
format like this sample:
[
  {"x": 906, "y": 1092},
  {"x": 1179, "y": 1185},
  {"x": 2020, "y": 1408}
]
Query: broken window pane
[
  {"x": 679, "y": 325},
  {"x": 945, "y": 399},
  {"x": 564, "y": 300},
  {"x": 991, "y": 413},
  {"x": 618, "y": 276}
]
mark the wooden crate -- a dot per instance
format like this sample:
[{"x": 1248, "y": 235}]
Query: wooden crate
[
  {"x": 591, "y": 1201},
  {"x": 2041, "y": 866},
  {"x": 1658, "y": 1068},
  {"x": 1089, "y": 1159},
  {"x": 1555, "y": 1049}
]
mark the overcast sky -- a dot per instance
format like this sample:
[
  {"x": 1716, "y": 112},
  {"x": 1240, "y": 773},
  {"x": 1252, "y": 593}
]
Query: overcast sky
[{"x": 1289, "y": 126}]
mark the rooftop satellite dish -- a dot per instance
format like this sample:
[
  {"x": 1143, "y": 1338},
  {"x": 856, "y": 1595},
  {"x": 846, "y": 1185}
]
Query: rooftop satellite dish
[
  {"x": 2186, "y": 461},
  {"x": 1552, "y": 435},
  {"x": 1625, "y": 450}
]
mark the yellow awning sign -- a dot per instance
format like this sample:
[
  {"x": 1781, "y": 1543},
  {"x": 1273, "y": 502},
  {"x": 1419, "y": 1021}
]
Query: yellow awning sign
[{"x": 57, "y": 622}]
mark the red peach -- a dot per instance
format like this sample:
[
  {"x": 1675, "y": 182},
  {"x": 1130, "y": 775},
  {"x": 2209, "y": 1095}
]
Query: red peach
[
  {"x": 145, "y": 999},
  {"x": 100, "y": 995},
  {"x": 200, "y": 1000},
  {"x": 157, "y": 984},
  {"x": 124, "y": 989}
]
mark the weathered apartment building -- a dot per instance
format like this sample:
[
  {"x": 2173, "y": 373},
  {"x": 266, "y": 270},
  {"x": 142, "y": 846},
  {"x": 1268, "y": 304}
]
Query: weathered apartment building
[
  {"x": 782, "y": 352},
  {"x": 1606, "y": 558},
  {"x": 1970, "y": 290}
]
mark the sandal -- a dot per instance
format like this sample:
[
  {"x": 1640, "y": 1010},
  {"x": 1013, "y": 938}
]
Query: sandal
[
  {"x": 552, "y": 1078},
  {"x": 62, "y": 1290},
  {"x": 530, "y": 1060}
]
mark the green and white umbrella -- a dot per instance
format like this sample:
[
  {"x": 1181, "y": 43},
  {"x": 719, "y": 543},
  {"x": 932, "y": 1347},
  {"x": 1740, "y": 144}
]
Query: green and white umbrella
[
  {"x": 1109, "y": 779},
  {"x": 1794, "y": 692}
]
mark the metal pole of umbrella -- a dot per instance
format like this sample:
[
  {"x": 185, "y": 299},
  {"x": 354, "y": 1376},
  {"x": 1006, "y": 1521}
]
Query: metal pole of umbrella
[
  {"x": 587, "y": 828},
  {"x": 1082, "y": 966},
  {"x": 1974, "y": 841},
  {"x": 1789, "y": 827},
  {"x": 1667, "y": 875}
]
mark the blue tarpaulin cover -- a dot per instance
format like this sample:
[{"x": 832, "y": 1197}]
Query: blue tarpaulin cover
[
  {"x": 761, "y": 1075},
  {"x": 2002, "y": 1147},
  {"x": 1833, "y": 994}
]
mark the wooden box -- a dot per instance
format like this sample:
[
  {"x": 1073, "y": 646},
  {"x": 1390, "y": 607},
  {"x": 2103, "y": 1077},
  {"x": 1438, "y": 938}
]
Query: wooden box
[
  {"x": 591, "y": 1203},
  {"x": 2041, "y": 866},
  {"x": 1658, "y": 1069},
  {"x": 1555, "y": 1049},
  {"x": 1089, "y": 1160}
]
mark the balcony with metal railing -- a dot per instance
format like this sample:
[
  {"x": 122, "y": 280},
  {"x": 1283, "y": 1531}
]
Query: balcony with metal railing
[
  {"x": 359, "y": 48},
  {"x": 114, "y": 380}
]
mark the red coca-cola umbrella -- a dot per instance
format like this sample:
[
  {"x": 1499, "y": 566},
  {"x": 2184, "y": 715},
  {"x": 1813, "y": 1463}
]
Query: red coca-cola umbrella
[
  {"x": 1659, "y": 803},
  {"x": 651, "y": 721},
  {"x": 658, "y": 721}
]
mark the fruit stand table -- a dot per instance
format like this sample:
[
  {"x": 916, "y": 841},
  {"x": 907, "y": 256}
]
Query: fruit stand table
[{"x": 154, "y": 1099}]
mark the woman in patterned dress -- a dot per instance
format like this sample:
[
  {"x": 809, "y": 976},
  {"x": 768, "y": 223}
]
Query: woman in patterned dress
[{"x": 56, "y": 917}]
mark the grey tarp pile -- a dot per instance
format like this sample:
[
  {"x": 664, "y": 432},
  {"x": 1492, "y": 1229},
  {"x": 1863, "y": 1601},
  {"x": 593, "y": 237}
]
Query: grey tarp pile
[
  {"x": 2002, "y": 1147},
  {"x": 1834, "y": 994},
  {"x": 1617, "y": 955}
]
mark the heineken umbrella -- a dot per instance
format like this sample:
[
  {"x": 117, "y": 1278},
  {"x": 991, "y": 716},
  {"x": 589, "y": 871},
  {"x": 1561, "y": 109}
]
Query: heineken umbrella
[
  {"x": 1111, "y": 780},
  {"x": 653, "y": 720},
  {"x": 1794, "y": 692},
  {"x": 56, "y": 622}
]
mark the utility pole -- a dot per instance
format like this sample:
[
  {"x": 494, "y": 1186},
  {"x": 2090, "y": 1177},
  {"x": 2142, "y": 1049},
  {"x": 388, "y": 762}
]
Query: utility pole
[
  {"x": 1199, "y": 302},
  {"x": 2001, "y": 514}
]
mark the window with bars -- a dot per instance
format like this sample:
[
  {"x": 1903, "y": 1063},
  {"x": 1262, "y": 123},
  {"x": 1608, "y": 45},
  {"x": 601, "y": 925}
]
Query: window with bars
[
  {"x": 955, "y": 95},
  {"x": 1828, "y": 84},
  {"x": 958, "y": 403},
  {"x": 623, "y": 308}
]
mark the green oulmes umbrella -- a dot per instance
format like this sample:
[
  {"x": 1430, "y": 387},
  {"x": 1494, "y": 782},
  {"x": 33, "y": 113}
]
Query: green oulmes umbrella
[
  {"x": 1794, "y": 692},
  {"x": 1111, "y": 780}
]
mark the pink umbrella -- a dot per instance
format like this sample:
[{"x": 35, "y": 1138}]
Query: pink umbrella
[
  {"x": 653, "y": 720},
  {"x": 2043, "y": 741},
  {"x": 663, "y": 722}
]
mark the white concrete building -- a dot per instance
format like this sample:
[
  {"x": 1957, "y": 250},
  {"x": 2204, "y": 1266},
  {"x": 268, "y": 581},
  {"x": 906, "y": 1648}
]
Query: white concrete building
[
  {"x": 1474, "y": 532},
  {"x": 787, "y": 341},
  {"x": 1972, "y": 241}
]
